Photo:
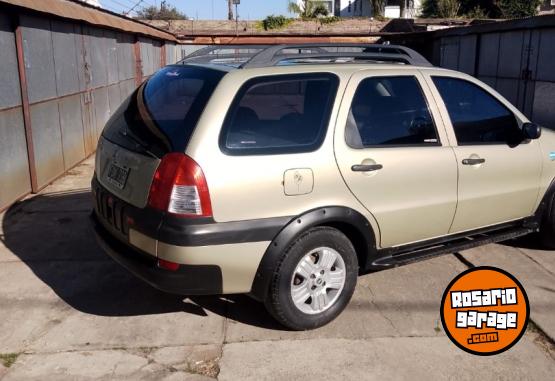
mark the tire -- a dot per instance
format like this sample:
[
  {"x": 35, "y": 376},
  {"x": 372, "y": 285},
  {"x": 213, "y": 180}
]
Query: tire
[
  {"x": 321, "y": 246},
  {"x": 547, "y": 228}
]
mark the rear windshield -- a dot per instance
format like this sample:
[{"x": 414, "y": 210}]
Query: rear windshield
[{"x": 161, "y": 115}]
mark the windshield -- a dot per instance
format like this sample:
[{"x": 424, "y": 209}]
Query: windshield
[{"x": 161, "y": 115}]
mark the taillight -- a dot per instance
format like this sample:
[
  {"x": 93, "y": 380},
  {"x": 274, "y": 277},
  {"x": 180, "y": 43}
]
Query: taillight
[{"x": 179, "y": 187}]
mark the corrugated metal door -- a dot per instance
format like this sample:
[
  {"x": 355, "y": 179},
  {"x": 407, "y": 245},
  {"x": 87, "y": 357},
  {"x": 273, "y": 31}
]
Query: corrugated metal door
[{"x": 542, "y": 64}]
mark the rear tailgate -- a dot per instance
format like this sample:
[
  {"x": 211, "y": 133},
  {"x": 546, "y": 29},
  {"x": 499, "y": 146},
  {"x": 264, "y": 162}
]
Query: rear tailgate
[
  {"x": 124, "y": 173},
  {"x": 157, "y": 119}
]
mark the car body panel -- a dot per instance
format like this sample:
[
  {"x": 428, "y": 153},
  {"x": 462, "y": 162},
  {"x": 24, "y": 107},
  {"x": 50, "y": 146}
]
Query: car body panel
[
  {"x": 414, "y": 196},
  {"x": 503, "y": 189},
  {"x": 547, "y": 153},
  {"x": 238, "y": 261},
  {"x": 506, "y": 186},
  {"x": 422, "y": 193},
  {"x": 252, "y": 186}
]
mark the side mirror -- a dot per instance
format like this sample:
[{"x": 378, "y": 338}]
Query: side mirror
[{"x": 532, "y": 131}]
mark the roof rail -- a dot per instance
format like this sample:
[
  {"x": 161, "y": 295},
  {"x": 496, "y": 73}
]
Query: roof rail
[
  {"x": 223, "y": 54},
  {"x": 214, "y": 49},
  {"x": 254, "y": 56}
]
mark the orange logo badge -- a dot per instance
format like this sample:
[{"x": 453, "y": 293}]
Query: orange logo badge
[{"x": 485, "y": 311}]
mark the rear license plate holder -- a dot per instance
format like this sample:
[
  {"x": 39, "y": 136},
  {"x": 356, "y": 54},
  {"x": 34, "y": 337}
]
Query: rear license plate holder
[{"x": 117, "y": 175}]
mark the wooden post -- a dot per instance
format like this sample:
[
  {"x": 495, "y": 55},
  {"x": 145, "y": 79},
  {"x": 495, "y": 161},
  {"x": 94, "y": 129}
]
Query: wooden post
[
  {"x": 26, "y": 107},
  {"x": 163, "y": 54},
  {"x": 138, "y": 62}
]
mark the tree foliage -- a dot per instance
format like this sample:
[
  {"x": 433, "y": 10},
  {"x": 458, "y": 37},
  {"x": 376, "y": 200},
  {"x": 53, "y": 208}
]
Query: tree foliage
[
  {"x": 441, "y": 8},
  {"x": 484, "y": 8},
  {"x": 448, "y": 8},
  {"x": 308, "y": 9},
  {"x": 275, "y": 22},
  {"x": 511, "y": 9},
  {"x": 480, "y": 8},
  {"x": 163, "y": 13}
]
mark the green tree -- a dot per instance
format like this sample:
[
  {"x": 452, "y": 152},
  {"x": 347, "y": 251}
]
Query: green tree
[
  {"x": 308, "y": 9},
  {"x": 165, "y": 12},
  {"x": 477, "y": 13},
  {"x": 320, "y": 10},
  {"x": 448, "y": 8},
  {"x": 486, "y": 8},
  {"x": 482, "y": 8},
  {"x": 441, "y": 8},
  {"x": 429, "y": 8},
  {"x": 512, "y": 9}
]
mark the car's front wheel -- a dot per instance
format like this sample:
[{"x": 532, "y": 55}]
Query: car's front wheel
[{"x": 314, "y": 280}]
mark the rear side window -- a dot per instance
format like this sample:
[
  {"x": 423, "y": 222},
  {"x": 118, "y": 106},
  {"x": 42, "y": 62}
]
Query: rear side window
[
  {"x": 477, "y": 117},
  {"x": 161, "y": 115},
  {"x": 279, "y": 114},
  {"x": 390, "y": 111}
]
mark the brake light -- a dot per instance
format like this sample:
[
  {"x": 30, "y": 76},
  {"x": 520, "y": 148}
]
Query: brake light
[{"x": 179, "y": 187}]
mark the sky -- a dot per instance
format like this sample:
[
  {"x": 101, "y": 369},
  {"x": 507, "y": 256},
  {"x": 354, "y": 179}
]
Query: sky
[{"x": 209, "y": 9}]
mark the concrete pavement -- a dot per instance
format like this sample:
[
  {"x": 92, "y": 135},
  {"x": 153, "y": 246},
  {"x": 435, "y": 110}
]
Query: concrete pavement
[{"x": 69, "y": 312}]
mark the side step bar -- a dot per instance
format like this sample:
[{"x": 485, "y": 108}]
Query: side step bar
[{"x": 405, "y": 257}]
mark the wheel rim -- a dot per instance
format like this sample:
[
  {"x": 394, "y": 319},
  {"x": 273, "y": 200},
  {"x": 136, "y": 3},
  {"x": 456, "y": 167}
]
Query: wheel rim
[{"x": 318, "y": 280}]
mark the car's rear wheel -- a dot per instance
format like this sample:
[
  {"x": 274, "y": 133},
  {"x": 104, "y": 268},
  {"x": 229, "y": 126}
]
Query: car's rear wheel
[
  {"x": 547, "y": 228},
  {"x": 314, "y": 280}
]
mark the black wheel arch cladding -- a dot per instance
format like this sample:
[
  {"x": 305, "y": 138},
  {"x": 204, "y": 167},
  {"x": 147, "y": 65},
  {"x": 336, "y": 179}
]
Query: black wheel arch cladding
[
  {"x": 545, "y": 208},
  {"x": 350, "y": 222}
]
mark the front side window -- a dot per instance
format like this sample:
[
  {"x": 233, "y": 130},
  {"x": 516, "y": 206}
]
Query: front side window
[
  {"x": 279, "y": 114},
  {"x": 477, "y": 117},
  {"x": 390, "y": 111}
]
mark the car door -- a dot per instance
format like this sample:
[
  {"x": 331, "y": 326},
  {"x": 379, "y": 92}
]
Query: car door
[
  {"x": 499, "y": 171},
  {"x": 394, "y": 156}
]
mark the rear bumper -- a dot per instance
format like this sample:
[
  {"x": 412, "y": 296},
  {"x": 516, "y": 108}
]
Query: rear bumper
[
  {"x": 187, "y": 280},
  {"x": 215, "y": 257}
]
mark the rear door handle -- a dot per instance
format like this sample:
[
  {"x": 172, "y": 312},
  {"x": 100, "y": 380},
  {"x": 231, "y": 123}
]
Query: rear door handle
[
  {"x": 366, "y": 167},
  {"x": 473, "y": 161}
]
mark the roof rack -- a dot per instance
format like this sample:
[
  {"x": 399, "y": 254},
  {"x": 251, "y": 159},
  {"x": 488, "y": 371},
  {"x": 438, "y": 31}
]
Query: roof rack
[
  {"x": 254, "y": 56},
  {"x": 233, "y": 55}
]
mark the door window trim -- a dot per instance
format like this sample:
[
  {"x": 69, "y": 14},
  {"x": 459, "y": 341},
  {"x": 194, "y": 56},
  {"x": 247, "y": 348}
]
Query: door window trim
[{"x": 419, "y": 82}]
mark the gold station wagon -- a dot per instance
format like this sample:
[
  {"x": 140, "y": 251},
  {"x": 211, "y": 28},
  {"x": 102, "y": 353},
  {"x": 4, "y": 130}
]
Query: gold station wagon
[{"x": 284, "y": 172}]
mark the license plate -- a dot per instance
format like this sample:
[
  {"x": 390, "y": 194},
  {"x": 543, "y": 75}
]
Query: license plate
[{"x": 117, "y": 175}]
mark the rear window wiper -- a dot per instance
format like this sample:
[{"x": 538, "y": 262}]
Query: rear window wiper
[{"x": 137, "y": 141}]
